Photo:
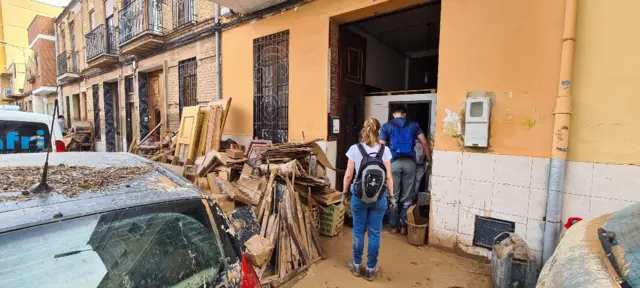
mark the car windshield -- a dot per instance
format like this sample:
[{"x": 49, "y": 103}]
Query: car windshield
[
  {"x": 152, "y": 246},
  {"x": 23, "y": 137},
  {"x": 626, "y": 247}
]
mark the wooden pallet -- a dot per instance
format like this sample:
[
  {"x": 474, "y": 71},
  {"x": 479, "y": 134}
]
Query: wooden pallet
[{"x": 402, "y": 92}]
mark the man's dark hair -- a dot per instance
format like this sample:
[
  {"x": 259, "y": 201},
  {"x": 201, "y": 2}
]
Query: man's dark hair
[
  {"x": 60, "y": 117},
  {"x": 400, "y": 109}
]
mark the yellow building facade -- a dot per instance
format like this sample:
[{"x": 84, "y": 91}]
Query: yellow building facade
[
  {"x": 15, "y": 17},
  {"x": 506, "y": 51}
]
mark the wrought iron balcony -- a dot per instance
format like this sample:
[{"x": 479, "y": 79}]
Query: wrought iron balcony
[
  {"x": 183, "y": 12},
  {"x": 138, "y": 18},
  {"x": 67, "y": 65},
  {"x": 101, "y": 42}
]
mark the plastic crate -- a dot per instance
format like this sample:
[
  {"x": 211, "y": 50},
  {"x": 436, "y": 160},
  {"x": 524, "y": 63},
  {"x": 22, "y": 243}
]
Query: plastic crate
[{"x": 331, "y": 219}]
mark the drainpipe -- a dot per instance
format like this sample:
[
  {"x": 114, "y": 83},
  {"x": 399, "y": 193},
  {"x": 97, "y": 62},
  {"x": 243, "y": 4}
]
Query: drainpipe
[
  {"x": 562, "y": 119},
  {"x": 59, "y": 86},
  {"x": 218, "y": 75}
]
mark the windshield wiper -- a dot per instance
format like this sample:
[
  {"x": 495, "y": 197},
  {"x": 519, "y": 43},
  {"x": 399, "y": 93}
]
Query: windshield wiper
[
  {"x": 606, "y": 238},
  {"x": 65, "y": 254}
]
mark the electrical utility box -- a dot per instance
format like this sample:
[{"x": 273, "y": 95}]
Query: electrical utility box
[{"x": 476, "y": 121}]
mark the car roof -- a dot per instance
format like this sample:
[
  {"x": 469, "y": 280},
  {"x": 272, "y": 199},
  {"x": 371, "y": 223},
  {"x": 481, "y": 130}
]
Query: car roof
[
  {"x": 156, "y": 186},
  {"x": 8, "y": 115},
  {"x": 25, "y": 116}
]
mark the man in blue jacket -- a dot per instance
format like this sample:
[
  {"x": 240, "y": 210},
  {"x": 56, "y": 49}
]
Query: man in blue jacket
[{"x": 400, "y": 135}]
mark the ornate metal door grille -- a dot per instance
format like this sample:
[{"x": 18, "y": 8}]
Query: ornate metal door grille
[
  {"x": 143, "y": 99},
  {"x": 271, "y": 87},
  {"x": 188, "y": 83},
  {"x": 96, "y": 112},
  {"x": 128, "y": 89},
  {"x": 109, "y": 125}
]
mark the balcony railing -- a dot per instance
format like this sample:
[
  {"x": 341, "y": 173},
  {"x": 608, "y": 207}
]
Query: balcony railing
[
  {"x": 183, "y": 12},
  {"x": 101, "y": 41},
  {"x": 137, "y": 18},
  {"x": 62, "y": 62}
]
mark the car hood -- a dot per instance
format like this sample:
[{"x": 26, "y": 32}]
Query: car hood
[{"x": 579, "y": 260}]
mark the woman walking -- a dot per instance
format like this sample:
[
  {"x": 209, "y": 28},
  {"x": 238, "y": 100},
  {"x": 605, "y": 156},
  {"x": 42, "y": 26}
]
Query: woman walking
[{"x": 371, "y": 164}]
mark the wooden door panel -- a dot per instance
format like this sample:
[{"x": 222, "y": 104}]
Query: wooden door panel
[
  {"x": 352, "y": 55},
  {"x": 186, "y": 144}
]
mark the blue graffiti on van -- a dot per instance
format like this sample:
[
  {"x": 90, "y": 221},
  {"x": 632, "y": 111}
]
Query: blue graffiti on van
[{"x": 14, "y": 137}]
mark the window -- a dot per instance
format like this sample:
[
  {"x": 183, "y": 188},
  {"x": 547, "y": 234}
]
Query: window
[
  {"x": 188, "y": 82},
  {"x": 37, "y": 64},
  {"x": 108, "y": 12},
  {"x": 183, "y": 12},
  {"x": 271, "y": 87},
  {"x": 92, "y": 17},
  {"x": 23, "y": 137},
  {"x": 151, "y": 246}
]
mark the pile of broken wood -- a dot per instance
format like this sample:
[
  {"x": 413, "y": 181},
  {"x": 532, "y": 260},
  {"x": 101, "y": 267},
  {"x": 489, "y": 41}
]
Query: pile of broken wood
[
  {"x": 200, "y": 131},
  {"x": 281, "y": 188},
  {"x": 269, "y": 192}
]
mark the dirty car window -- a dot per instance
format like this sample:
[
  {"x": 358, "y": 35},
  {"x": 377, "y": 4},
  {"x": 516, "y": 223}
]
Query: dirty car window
[
  {"x": 132, "y": 248},
  {"x": 626, "y": 246}
]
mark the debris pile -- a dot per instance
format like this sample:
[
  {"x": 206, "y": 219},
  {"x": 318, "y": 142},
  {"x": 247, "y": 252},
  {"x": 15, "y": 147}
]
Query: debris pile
[
  {"x": 271, "y": 194},
  {"x": 271, "y": 205},
  {"x": 69, "y": 181}
]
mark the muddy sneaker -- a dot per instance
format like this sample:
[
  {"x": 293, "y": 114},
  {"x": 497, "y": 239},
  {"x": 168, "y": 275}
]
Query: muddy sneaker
[
  {"x": 394, "y": 230},
  {"x": 403, "y": 230},
  {"x": 355, "y": 269},
  {"x": 370, "y": 274}
]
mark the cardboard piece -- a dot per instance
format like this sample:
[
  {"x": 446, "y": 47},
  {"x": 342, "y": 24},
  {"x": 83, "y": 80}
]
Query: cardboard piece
[
  {"x": 235, "y": 153},
  {"x": 258, "y": 250}
]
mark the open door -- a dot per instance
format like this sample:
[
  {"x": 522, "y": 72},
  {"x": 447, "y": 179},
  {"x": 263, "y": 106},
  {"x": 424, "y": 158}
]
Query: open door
[{"x": 352, "y": 55}]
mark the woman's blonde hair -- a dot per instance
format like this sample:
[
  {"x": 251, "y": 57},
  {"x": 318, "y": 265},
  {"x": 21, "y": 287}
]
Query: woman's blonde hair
[{"x": 370, "y": 132}]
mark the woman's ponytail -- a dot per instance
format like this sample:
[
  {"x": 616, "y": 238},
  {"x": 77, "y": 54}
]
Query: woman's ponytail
[{"x": 370, "y": 132}]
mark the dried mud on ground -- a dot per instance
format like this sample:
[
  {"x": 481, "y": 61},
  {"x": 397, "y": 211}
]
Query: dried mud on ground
[
  {"x": 65, "y": 180},
  {"x": 401, "y": 265}
]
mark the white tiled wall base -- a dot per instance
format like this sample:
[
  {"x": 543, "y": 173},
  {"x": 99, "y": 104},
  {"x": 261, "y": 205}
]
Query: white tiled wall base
[{"x": 514, "y": 188}]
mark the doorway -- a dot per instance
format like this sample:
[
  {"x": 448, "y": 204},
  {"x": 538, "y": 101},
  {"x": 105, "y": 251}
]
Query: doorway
[
  {"x": 155, "y": 101},
  {"x": 387, "y": 60},
  {"x": 110, "y": 116}
]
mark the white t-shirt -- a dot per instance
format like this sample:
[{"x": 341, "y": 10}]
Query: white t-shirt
[{"x": 355, "y": 155}]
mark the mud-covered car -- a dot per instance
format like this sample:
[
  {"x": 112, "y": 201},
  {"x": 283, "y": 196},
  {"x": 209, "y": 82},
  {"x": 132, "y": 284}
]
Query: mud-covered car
[
  {"x": 601, "y": 252},
  {"x": 141, "y": 227}
]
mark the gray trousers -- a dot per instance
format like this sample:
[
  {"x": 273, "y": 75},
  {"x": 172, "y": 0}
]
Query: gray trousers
[
  {"x": 421, "y": 169},
  {"x": 404, "y": 179}
]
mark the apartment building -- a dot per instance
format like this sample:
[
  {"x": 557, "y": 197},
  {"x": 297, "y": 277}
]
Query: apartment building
[
  {"x": 318, "y": 70},
  {"x": 40, "y": 82},
  {"x": 127, "y": 66},
  {"x": 15, "y": 43}
]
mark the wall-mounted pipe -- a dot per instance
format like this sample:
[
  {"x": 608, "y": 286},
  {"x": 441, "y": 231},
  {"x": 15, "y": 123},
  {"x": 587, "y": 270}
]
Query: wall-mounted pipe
[
  {"x": 562, "y": 119},
  {"x": 218, "y": 44}
]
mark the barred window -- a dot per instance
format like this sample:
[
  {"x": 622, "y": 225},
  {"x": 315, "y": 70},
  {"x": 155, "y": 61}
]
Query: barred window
[
  {"x": 271, "y": 87},
  {"x": 187, "y": 75}
]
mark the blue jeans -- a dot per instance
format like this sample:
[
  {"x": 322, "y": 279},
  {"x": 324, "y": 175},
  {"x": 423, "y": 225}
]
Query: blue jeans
[{"x": 367, "y": 216}]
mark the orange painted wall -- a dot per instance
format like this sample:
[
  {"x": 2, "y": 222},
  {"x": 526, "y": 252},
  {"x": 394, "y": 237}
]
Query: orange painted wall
[
  {"x": 308, "y": 27},
  {"x": 605, "y": 126},
  {"x": 511, "y": 48}
]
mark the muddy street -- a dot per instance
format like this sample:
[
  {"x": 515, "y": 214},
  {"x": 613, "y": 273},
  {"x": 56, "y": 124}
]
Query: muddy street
[{"x": 401, "y": 265}]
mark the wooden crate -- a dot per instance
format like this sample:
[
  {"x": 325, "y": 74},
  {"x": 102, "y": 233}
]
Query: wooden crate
[{"x": 331, "y": 219}]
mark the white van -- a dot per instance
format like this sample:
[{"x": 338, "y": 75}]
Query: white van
[{"x": 27, "y": 132}]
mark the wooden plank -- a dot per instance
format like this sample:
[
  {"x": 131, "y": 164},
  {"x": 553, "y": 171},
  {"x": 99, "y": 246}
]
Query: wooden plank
[
  {"x": 272, "y": 234},
  {"x": 399, "y": 92},
  {"x": 217, "y": 131},
  {"x": 303, "y": 227},
  {"x": 211, "y": 178},
  {"x": 202, "y": 142},
  {"x": 134, "y": 143},
  {"x": 293, "y": 225},
  {"x": 211, "y": 126},
  {"x": 150, "y": 133},
  {"x": 188, "y": 134}
]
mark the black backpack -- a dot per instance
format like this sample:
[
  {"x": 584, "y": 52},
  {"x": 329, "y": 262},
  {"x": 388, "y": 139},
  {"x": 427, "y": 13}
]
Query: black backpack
[{"x": 371, "y": 181}]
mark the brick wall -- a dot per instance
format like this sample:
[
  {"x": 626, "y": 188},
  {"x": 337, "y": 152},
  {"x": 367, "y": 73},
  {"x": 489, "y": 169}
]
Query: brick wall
[{"x": 40, "y": 25}]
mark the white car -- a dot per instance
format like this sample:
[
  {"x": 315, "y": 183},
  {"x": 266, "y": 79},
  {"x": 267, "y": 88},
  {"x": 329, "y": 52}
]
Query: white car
[{"x": 27, "y": 132}]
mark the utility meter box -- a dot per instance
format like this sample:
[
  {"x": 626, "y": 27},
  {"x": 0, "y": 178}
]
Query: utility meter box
[{"x": 476, "y": 121}]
